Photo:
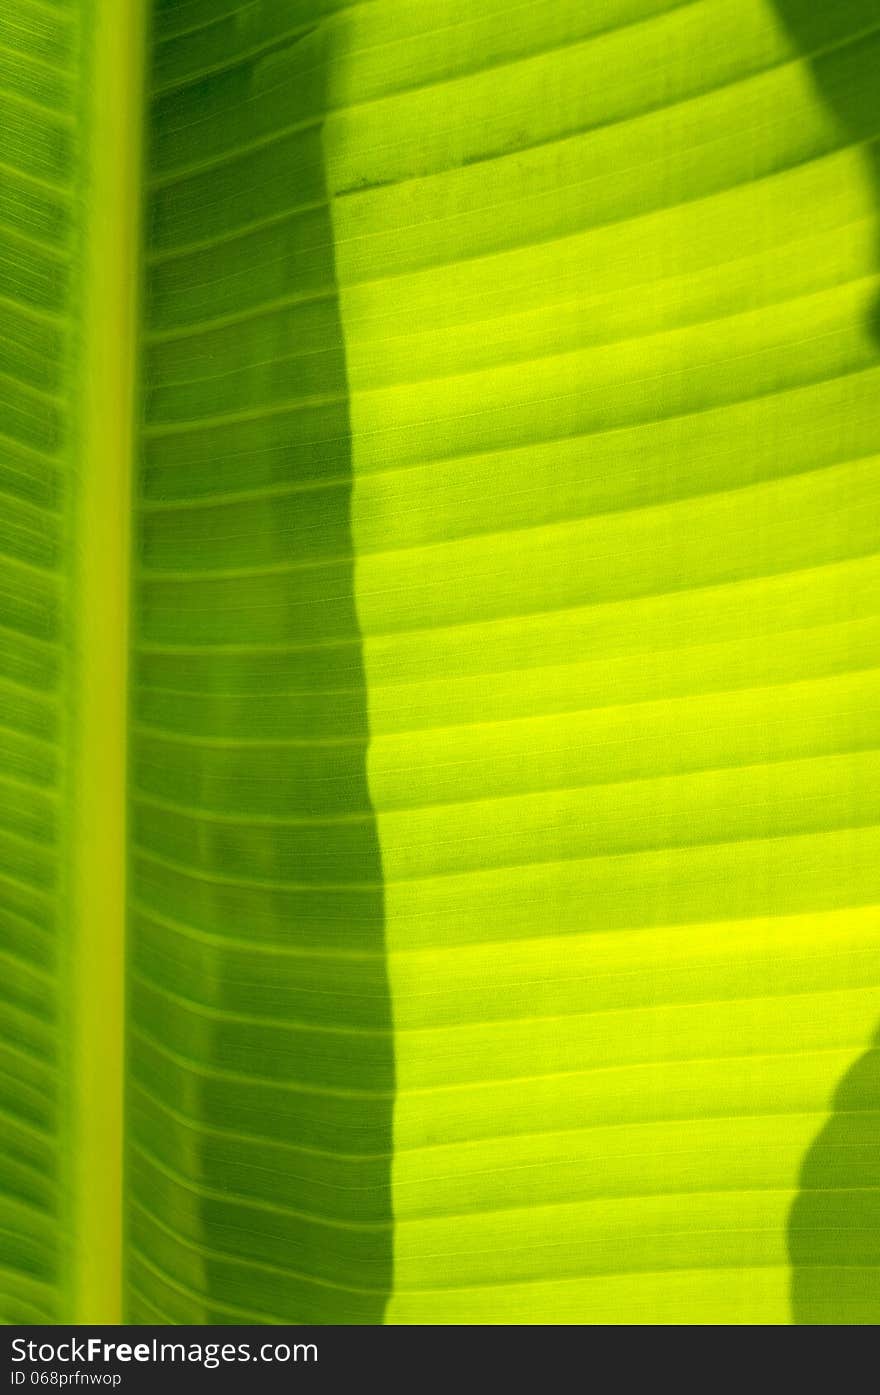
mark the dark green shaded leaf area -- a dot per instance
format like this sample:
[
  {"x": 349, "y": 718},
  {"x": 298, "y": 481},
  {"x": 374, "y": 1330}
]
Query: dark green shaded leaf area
[{"x": 259, "y": 993}]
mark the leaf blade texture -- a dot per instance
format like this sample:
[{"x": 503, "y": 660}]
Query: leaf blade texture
[{"x": 501, "y": 940}]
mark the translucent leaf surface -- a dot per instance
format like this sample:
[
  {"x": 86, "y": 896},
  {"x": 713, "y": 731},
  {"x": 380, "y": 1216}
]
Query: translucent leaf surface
[{"x": 502, "y": 730}]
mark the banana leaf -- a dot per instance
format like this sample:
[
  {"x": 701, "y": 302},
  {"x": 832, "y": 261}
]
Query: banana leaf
[{"x": 439, "y": 618}]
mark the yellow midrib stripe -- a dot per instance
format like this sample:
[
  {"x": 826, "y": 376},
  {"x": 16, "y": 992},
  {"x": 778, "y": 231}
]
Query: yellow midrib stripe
[{"x": 114, "y": 73}]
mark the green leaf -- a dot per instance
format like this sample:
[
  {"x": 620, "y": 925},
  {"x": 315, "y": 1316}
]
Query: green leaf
[{"x": 438, "y": 607}]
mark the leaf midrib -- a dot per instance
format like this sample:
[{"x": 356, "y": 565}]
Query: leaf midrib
[{"x": 110, "y": 180}]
